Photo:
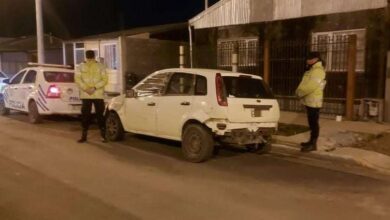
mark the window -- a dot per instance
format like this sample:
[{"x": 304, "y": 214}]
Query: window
[
  {"x": 17, "y": 78},
  {"x": 181, "y": 84},
  {"x": 79, "y": 53},
  {"x": 333, "y": 47},
  {"x": 110, "y": 56},
  {"x": 30, "y": 77},
  {"x": 153, "y": 85},
  {"x": 63, "y": 77},
  {"x": 247, "y": 52},
  {"x": 201, "y": 85},
  {"x": 246, "y": 87}
]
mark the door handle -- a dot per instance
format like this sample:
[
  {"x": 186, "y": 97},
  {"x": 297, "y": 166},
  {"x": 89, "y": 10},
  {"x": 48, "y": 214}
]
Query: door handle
[
  {"x": 151, "y": 104},
  {"x": 185, "y": 103}
]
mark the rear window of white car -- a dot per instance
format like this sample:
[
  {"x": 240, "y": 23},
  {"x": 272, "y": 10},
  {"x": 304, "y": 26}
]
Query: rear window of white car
[
  {"x": 64, "y": 77},
  {"x": 246, "y": 87}
]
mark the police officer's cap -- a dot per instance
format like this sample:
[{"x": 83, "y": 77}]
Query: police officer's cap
[
  {"x": 90, "y": 54},
  {"x": 312, "y": 55}
]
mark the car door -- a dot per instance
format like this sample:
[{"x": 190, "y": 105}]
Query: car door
[
  {"x": 27, "y": 86},
  {"x": 141, "y": 110},
  {"x": 175, "y": 105},
  {"x": 12, "y": 92}
]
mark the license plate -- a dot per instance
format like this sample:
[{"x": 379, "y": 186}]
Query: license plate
[{"x": 74, "y": 99}]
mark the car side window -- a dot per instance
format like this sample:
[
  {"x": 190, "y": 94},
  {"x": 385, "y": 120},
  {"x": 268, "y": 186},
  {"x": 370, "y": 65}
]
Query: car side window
[
  {"x": 153, "y": 85},
  {"x": 181, "y": 84},
  {"x": 16, "y": 79},
  {"x": 30, "y": 77},
  {"x": 201, "y": 85}
]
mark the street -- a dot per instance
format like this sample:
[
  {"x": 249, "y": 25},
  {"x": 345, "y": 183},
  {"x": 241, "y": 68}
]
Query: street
[{"x": 45, "y": 174}]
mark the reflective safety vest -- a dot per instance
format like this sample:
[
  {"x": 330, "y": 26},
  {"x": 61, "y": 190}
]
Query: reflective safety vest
[
  {"x": 91, "y": 74},
  {"x": 311, "y": 89}
]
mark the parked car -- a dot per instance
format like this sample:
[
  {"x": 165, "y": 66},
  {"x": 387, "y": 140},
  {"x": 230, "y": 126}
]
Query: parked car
[
  {"x": 3, "y": 75},
  {"x": 42, "y": 90},
  {"x": 3, "y": 80},
  {"x": 197, "y": 107}
]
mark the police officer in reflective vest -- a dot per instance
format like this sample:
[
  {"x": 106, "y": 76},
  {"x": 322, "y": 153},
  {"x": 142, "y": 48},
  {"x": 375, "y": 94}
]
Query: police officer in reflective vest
[
  {"x": 91, "y": 77},
  {"x": 311, "y": 91}
]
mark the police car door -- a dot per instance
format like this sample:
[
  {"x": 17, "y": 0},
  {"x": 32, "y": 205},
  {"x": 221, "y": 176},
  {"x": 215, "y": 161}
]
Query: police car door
[
  {"x": 12, "y": 92},
  {"x": 27, "y": 87}
]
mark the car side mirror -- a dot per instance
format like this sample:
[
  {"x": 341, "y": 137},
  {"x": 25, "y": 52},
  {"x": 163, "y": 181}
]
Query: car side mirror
[{"x": 131, "y": 93}]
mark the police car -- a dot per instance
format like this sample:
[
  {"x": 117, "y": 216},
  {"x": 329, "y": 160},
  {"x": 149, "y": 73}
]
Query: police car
[{"x": 42, "y": 89}]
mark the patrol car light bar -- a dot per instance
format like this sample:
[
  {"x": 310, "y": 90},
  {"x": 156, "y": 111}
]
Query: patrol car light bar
[{"x": 48, "y": 65}]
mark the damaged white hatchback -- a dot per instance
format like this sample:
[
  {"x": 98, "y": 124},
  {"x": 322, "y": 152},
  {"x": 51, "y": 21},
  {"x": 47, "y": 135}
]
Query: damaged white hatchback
[{"x": 200, "y": 108}]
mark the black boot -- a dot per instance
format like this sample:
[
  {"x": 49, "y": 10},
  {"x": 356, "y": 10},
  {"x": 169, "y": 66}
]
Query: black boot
[
  {"x": 305, "y": 144},
  {"x": 83, "y": 137},
  {"x": 309, "y": 146},
  {"x": 103, "y": 134}
]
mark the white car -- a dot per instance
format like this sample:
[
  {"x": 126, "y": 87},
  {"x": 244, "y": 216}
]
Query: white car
[
  {"x": 197, "y": 107},
  {"x": 42, "y": 90}
]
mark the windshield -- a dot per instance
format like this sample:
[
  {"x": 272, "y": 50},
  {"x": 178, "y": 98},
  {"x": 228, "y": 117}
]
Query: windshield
[
  {"x": 65, "y": 77},
  {"x": 246, "y": 87}
]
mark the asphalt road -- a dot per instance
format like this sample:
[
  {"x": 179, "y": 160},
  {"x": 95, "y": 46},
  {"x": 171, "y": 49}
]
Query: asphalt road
[{"x": 45, "y": 174}]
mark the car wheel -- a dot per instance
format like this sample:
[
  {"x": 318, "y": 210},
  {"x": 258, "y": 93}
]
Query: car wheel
[
  {"x": 33, "y": 114},
  {"x": 114, "y": 128},
  {"x": 3, "y": 110},
  {"x": 197, "y": 143}
]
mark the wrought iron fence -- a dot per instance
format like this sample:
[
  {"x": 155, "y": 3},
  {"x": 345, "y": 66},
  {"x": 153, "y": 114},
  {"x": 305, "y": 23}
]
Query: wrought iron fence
[{"x": 287, "y": 61}]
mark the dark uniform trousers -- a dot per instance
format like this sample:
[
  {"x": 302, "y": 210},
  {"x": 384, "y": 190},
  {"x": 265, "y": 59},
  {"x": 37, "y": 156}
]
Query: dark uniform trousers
[
  {"x": 87, "y": 115},
  {"x": 313, "y": 115}
]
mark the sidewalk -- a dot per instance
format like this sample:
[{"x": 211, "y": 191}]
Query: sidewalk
[{"x": 335, "y": 137}]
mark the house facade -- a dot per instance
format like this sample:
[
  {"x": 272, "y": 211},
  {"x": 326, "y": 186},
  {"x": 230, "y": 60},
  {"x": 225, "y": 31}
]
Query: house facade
[
  {"x": 135, "y": 52},
  {"x": 291, "y": 28},
  {"x": 15, "y": 53}
]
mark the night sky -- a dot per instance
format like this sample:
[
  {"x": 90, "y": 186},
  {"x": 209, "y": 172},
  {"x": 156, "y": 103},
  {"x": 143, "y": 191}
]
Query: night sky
[{"x": 75, "y": 18}]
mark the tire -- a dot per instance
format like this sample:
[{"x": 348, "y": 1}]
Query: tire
[
  {"x": 197, "y": 143},
  {"x": 33, "y": 114},
  {"x": 3, "y": 110},
  {"x": 114, "y": 128}
]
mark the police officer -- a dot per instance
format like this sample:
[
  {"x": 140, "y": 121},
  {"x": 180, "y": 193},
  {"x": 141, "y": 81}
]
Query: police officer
[
  {"x": 311, "y": 91},
  {"x": 91, "y": 77}
]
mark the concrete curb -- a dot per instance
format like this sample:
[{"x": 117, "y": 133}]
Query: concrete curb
[
  {"x": 315, "y": 154},
  {"x": 289, "y": 148}
]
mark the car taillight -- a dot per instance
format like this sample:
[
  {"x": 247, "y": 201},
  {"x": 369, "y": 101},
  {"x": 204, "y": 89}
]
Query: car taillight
[
  {"x": 220, "y": 88},
  {"x": 53, "y": 92}
]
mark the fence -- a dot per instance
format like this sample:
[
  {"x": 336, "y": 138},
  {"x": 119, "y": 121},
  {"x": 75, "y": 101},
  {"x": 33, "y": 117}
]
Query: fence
[{"x": 287, "y": 63}]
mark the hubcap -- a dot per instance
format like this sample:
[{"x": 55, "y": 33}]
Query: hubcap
[
  {"x": 194, "y": 143},
  {"x": 111, "y": 126}
]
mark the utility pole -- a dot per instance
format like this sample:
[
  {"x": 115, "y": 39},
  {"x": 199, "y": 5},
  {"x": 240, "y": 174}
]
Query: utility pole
[
  {"x": 206, "y": 4},
  {"x": 40, "y": 36}
]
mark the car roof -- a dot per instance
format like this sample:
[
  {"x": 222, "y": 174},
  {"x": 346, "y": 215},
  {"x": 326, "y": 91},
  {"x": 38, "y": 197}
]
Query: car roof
[
  {"x": 53, "y": 69},
  {"x": 206, "y": 72}
]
